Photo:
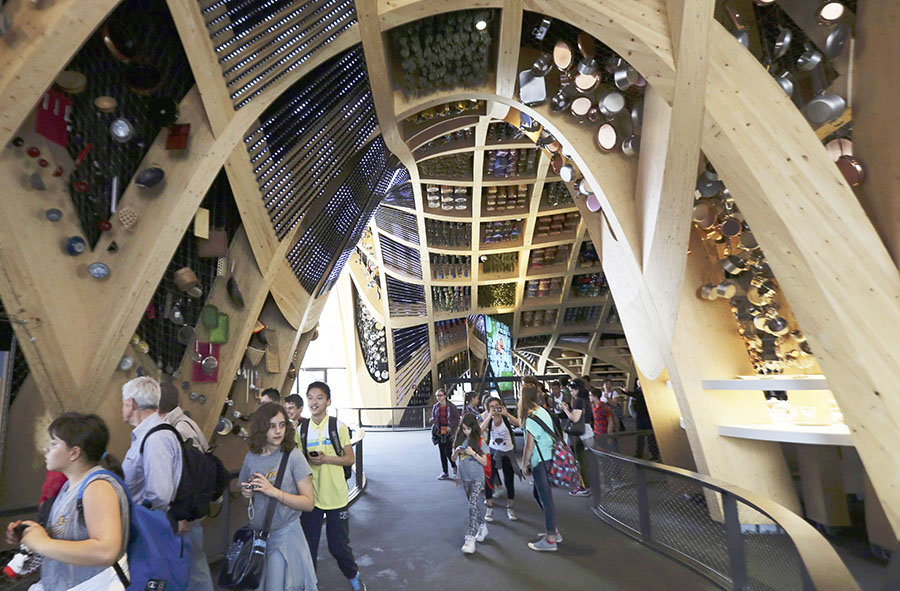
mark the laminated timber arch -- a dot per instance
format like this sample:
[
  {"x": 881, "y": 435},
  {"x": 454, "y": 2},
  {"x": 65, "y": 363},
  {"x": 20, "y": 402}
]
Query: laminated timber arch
[
  {"x": 810, "y": 224},
  {"x": 806, "y": 218}
]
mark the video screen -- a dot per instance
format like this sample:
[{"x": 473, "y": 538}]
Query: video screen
[{"x": 499, "y": 350}]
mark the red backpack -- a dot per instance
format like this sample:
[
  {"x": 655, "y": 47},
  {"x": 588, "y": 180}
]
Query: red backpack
[{"x": 564, "y": 469}]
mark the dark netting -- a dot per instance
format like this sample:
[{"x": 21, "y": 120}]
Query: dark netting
[
  {"x": 398, "y": 223},
  {"x": 257, "y": 43},
  {"x": 150, "y": 27},
  {"x": 501, "y": 295},
  {"x": 156, "y": 327},
  {"x": 307, "y": 135},
  {"x": 20, "y": 365},
  {"x": 421, "y": 396},
  {"x": 372, "y": 340},
  {"x": 444, "y": 52},
  {"x": 412, "y": 360},
  {"x": 405, "y": 299},
  {"x": 331, "y": 237},
  {"x": 454, "y": 367}
]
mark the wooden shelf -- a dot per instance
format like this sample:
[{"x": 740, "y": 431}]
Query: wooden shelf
[
  {"x": 438, "y": 128},
  {"x": 452, "y": 215},
  {"x": 810, "y": 435}
]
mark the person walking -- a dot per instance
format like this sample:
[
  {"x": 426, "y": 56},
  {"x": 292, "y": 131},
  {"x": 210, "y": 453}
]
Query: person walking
[
  {"x": 80, "y": 545},
  {"x": 581, "y": 433},
  {"x": 329, "y": 482},
  {"x": 537, "y": 459},
  {"x": 497, "y": 429},
  {"x": 172, "y": 413},
  {"x": 289, "y": 566},
  {"x": 638, "y": 409},
  {"x": 472, "y": 456},
  {"x": 444, "y": 421}
]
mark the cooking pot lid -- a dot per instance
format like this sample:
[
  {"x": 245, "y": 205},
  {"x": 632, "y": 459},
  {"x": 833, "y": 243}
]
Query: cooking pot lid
[{"x": 607, "y": 136}]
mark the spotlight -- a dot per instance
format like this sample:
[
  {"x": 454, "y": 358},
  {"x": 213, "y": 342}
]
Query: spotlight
[
  {"x": 481, "y": 24},
  {"x": 830, "y": 12}
]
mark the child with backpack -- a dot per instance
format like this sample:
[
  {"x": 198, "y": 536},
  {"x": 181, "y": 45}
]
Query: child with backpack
[
  {"x": 326, "y": 443},
  {"x": 88, "y": 526},
  {"x": 472, "y": 458}
]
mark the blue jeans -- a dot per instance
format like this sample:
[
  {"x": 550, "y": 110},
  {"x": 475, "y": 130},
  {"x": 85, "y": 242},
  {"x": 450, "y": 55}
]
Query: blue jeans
[
  {"x": 540, "y": 475},
  {"x": 337, "y": 531}
]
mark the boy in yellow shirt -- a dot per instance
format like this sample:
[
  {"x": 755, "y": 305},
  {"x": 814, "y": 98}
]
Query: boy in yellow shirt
[{"x": 327, "y": 460}]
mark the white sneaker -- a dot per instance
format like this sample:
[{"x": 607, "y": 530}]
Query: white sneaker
[
  {"x": 482, "y": 533},
  {"x": 511, "y": 514},
  {"x": 455, "y": 473},
  {"x": 558, "y": 536},
  {"x": 489, "y": 514},
  {"x": 468, "y": 546}
]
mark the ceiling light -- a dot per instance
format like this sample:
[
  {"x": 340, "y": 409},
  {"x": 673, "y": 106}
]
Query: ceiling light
[
  {"x": 764, "y": 2},
  {"x": 481, "y": 24}
]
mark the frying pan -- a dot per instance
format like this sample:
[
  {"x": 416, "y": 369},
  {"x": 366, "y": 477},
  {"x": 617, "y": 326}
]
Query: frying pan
[
  {"x": 836, "y": 40},
  {"x": 839, "y": 147},
  {"x": 586, "y": 45},
  {"x": 852, "y": 169},
  {"x": 562, "y": 55},
  {"x": 142, "y": 78},
  {"x": 586, "y": 82},
  {"x": 580, "y": 107},
  {"x": 740, "y": 32},
  {"x": 606, "y": 137},
  {"x": 120, "y": 42},
  {"x": 782, "y": 43}
]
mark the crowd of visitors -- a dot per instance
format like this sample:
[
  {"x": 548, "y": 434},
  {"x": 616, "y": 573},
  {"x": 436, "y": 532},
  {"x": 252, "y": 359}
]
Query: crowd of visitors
[
  {"x": 106, "y": 525},
  {"x": 484, "y": 444}
]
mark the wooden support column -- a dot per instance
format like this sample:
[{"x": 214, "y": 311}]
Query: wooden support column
[{"x": 670, "y": 141}]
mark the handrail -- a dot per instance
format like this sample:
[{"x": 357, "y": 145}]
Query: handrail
[
  {"x": 823, "y": 569},
  {"x": 395, "y": 422}
]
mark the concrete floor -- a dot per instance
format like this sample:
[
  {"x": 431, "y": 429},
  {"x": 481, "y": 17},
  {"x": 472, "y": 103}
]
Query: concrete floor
[{"x": 407, "y": 528}]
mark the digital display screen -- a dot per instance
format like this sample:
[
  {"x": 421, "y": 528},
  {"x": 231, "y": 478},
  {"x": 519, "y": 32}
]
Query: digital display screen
[{"x": 499, "y": 349}]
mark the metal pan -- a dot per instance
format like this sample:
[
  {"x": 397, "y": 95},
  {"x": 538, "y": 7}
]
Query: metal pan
[
  {"x": 631, "y": 147},
  {"x": 611, "y": 104},
  {"x": 606, "y": 137},
  {"x": 626, "y": 77},
  {"x": 586, "y": 45},
  {"x": 562, "y": 55},
  {"x": 809, "y": 59},
  {"x": 836, "y": 40},
  {"x": 852, "y": 169},
  {"x": 782, "y": 43},
  {"x": 786, "y": 82},
  {"x": 824, "y": 107}
]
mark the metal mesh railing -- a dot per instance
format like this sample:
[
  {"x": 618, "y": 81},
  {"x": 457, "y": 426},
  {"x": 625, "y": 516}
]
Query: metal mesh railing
[{"x": 737, "y": 540}]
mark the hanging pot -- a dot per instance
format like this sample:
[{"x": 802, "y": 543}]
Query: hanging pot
[
  {"x": 824, "y": 108},
  {"x": 809, "y": 59},
  {"x": 836, "y": 40},
  {"x": 606, "y": 137},
  {"x": 782, "y": 43},
  {"x": 559, "y": 102},
  {"x": 704, "y": 213},
  {"x": 839, "y": 147},
  {"x": 626, "y": 77},
  {"x": 637, "y": 116},
  {"x": 708, "y": 292},
  {"x": 611, "y": 104},
  {"x": 786, "y": 82},
  {"x": 734, "y": 264},
  {"x": 562, "y": 55},
  {"x": 726, "y": 290},
  {"x": 542, "y": 66},
  {"x": 730, "y": 227},
  {"x": 586, "y": 45},
  {"x": 830, "y": 12},
  {"x": 631, "y": 146},
  {"x": 852, "y": 169}
]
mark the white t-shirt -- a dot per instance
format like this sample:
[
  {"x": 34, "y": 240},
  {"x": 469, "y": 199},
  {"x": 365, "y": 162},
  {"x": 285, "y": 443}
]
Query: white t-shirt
[{"x": 500, "y": 439}]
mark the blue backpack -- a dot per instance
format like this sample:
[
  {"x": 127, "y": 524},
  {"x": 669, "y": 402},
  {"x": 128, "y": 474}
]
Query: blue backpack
[{"x": 157, "y": 557}]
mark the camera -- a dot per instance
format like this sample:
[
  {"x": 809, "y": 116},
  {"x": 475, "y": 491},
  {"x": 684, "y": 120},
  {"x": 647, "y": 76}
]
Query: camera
[
  {"x": 498, "y": 440},
  {"x": 313, "y": 454}
]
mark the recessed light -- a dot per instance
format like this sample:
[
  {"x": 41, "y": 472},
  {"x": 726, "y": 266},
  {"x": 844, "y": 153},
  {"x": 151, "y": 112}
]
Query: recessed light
[
  {"x": 481, "y": 24},
  {"x": 830, "y": 12}
]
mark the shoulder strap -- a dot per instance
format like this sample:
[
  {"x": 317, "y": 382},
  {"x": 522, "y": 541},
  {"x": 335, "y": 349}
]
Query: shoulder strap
[
  {"x": 540, "y": 422},
  {"x": 161, "y": 427},
  {"x": 335, "y": 436},
  {"x": 79, "y": 504},
  {"x": 303, "y": 429},
  {"x": 270, "y": 510}
]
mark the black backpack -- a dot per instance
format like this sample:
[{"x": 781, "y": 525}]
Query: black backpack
[
  {"x": 203, "y": 478},
  {"x": 332, "y": 434}
]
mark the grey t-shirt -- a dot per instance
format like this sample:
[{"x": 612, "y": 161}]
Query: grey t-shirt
[
  {"x": 469, "y": 468},
  {"x": 297, "y": 468},
  {"x": 67, "y": 523}
]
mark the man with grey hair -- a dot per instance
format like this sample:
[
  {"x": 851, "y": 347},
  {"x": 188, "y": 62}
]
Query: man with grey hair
[{"x": 152, "y": 476}]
